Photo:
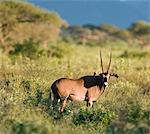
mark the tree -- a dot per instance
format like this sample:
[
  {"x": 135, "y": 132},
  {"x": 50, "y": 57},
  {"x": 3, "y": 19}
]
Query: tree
[
  {"x": 140, "y": 28},
  {"x": 123, "y": 35},
  {"x": 79, "y": 33},
  {"x": 110, "y": 29}
]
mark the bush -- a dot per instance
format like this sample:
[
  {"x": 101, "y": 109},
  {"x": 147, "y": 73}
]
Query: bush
[
  {"x": 123, "y": 35},
  {"x": 27, "y": 128},
  {"x": 133, "y": 120},
  {"x": 140, "y": 28},
  {"x": 36, "y": 99},
  {"x": 93, "y": 117},
  {"x": 28, "y": 48}
]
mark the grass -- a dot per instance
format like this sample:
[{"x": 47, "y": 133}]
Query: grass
[{"x": 123, "y": 108}]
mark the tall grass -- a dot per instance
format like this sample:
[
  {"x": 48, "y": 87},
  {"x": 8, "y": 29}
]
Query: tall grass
[{"x": 123, "y": 108}]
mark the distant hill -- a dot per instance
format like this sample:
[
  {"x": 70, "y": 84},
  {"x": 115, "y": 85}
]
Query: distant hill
[{"x": 137, "y": 33}]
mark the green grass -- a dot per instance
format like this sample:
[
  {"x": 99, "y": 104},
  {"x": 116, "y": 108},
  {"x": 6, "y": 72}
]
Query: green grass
[{"x": 123, "y": 108}]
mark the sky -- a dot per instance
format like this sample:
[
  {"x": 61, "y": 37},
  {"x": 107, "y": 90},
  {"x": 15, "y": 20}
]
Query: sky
[{"x": 121, "y": 13}]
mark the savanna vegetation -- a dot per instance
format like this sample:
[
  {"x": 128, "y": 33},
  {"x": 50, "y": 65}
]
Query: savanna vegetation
[{"x": 38, "y": 47}]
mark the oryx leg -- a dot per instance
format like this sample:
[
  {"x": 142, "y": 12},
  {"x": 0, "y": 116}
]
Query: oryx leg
[
  {"x": 63, "y": 104},
  {"x": 89, "y": 103},
  {"x": 55, "y": 101}
]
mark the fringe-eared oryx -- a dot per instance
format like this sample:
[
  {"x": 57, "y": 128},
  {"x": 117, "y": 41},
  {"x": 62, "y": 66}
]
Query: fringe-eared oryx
[{"x": 87, "y": 88}]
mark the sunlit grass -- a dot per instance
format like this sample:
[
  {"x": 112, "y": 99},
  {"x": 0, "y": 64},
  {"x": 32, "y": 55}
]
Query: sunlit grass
[{"x": 25, "y": 86}]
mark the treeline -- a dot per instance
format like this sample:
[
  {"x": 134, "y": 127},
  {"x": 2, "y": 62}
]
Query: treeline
[
  {"x": 138, "y": 32},
  {"x": 26, "y": 29}
]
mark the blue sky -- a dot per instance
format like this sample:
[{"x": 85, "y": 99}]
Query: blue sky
[{"x": 121, "y": 13}]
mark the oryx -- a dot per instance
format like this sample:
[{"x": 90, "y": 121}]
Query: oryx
[{"x": 87, "y": 88}]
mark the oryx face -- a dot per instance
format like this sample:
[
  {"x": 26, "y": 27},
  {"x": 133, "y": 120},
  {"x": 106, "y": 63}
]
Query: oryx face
[{"x": 105, "y": 76}]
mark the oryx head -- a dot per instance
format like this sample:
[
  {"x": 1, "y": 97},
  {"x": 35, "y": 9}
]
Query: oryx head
[{"x": 105, "y": 75}]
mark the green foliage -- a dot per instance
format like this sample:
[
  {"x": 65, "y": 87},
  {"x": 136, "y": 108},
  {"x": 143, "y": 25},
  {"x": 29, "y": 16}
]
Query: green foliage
[
  {"x": 25, "y": 106},
  {"x": 28, "y": 48},
  {"x": 33, "y": 49},
  {"x": 36, "y": 99},
  {"x": 92, "y": 117},
  {"x": 136, "y": 120},
  {"x": 140, "y": 28},
  {"x": 123, "y": 34},
  {"x": 28, "y": 128},
  {"x": 135, "y": 114},
  {"x": 110, "y": 29}
]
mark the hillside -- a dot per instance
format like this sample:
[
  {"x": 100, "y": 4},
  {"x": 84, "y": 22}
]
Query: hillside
[{"x": 20, "y": 21}]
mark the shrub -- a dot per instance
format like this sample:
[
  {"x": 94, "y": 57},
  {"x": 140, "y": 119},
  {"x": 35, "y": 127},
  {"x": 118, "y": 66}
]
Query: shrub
[
  {"x": 36, "y": 99},
  {"x": 93, "y": 117},
  {"x": 28, "y": 48},
  {"x": 133, "y": 120},
  {"x": 28, "y": 128},
  {"x": 140, "y": 28}
]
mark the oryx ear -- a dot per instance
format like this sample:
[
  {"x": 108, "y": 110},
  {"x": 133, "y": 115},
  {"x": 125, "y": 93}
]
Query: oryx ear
[{"x": 116, "y": 75}]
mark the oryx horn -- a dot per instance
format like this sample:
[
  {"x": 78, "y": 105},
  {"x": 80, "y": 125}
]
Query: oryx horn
[
  {"x": 101, "y": 62},
  {"x": 109, "y": 62}
]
